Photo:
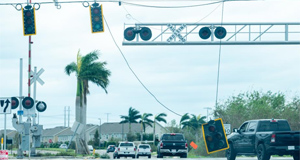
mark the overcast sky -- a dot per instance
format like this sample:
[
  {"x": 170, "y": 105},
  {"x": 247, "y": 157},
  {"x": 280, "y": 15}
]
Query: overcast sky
[{"x": 183, "y": 78}]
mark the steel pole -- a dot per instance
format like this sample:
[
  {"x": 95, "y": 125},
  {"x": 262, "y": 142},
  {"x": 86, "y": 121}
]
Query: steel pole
[{"x": 5, "y": 131}]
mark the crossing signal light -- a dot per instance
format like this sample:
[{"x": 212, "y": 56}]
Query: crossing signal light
[
  {"x": 41, "y": 106},
  {"x": 29, "y": 27},
  {"x": 220, "y": 32},
  {"x": 27, "y": 102},
  {"x": 14, "y": 102},
  {"x": 145, "y": 33},
  {"x": 129, "y": 33},
  {"x": 96, "y": 14},
  {"x": 204, "y": 33},
  {"x": 214, "y": 136}
]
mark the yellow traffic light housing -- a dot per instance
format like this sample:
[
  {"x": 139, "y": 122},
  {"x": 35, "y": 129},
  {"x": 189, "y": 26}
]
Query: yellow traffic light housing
[
  {"x": 96, "y": 15},
  {"x": 214, "y": 136},
  {"x": 29, "y": 25}
]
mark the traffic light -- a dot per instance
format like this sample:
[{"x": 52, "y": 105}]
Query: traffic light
[
  {"x": 28, "y": 21},
  {"x": 96, "y": 14},
  {"x": 27, "y": 102},
  {"x": 14, "y": 102},
  {"x": 145, "y": 33},
  {"x": 214, "y": 136}
]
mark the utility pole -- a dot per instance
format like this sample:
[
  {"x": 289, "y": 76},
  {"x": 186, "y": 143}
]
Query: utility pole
[
  {"x": 208, "y": 108},
  {"x": 65, "y": 117},
  {"x": 107, "y": 116},
  {"x": 99, "y": 132},
  {"x": 68, "y": 116}
]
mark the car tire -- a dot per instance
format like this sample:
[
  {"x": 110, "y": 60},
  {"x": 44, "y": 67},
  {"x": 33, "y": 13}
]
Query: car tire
[
  {"x": 133, "y": 157},
  {"x": 118, "y": 157},
  {"x": 230, "y": 152},
  {"x": 149, "y": 156},
  {"x": 159, "y": 155},
  {"x": 262, "y": 153},
  {"x": 137, "y": 156},
  {"x": 296, "y": 156},
  {"x": 184, "y": 155}
]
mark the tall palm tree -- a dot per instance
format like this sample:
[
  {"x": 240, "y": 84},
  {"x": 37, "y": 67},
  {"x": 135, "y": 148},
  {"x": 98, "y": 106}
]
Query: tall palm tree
[
  {"x": 132, "y": 117},
  {"x": 144, "y": 122},
  {"x": 86, "y": 70},
  {"x": 195, "y": 123},
  {"x": 158, "y": 118},
  {"x": 185, "y": 121}
]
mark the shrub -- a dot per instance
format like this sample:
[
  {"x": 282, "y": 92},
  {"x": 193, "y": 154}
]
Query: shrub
[{"x": 105, "y": 156}]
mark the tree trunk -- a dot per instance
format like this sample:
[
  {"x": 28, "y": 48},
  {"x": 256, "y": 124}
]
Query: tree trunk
[
  {"x": 81, "y": 145},
  {"x": 154, "y": 132}
]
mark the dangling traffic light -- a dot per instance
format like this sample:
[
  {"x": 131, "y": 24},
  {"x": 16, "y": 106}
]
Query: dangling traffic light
[
  {"x": 96, "y": 14},
  {"x": 27, "y": 102},
  {"x": 214, "y": 136},
  {"x": 14, "y": 102},
  {"x": 29, "y": 27}
]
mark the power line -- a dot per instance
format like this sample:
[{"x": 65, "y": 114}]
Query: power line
[
  {"x": 219, "y": 62},
  {"x": 134, "y": 72}
]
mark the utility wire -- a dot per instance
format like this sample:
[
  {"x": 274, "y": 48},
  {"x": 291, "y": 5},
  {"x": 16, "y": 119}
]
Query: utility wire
[
  {"x": 219, "y": 62},
  {"x": 134, "y": 72}
]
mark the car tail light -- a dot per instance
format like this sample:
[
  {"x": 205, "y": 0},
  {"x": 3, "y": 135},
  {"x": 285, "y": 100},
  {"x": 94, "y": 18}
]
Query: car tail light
[
  {"x": 118, "y": 149},
  {"x": 150, "y": 150},
  {"x": 186, "y": 146},
  {"x": 161, "y": 145},
  {"x": 134, "y": 149},
  {"x": 138, "y": 150},
  {"x": 173, "y": 134},
  {"x": 273, "y": 138}
]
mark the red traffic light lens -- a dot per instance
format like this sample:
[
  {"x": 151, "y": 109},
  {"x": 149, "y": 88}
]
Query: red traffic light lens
[
  {"x": 96, "y": 10},
  {"x": 211, "y": 128},
  {"x": 27, "y": 102},
  {"x": 129, "y": 32},
  {"x": 28, "y": 13}
]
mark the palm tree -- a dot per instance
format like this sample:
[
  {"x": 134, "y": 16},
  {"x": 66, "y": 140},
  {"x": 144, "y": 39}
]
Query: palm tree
[
  {"x": 158, "y": 118},
  {"x": 86, "y": 70},
  {"x": 144, "y": 122},
  {"x": 132, "y": 117},
  {"x": 185, "y": 121},
  {"x": 195, "y": 123}
]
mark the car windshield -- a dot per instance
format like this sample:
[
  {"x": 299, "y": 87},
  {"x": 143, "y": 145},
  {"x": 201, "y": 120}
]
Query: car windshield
[
  {"x": 144, "y": 146},
  {"x": 126, "y": 144}
]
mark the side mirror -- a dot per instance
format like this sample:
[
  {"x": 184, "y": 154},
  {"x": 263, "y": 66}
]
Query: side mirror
[
  {"x": 156, "y": 140},
  {"x": 236, "y": 130}
]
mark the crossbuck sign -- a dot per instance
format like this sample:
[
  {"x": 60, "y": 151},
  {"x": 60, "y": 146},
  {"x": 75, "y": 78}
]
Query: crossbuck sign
[{"x": 176, "y": 33}]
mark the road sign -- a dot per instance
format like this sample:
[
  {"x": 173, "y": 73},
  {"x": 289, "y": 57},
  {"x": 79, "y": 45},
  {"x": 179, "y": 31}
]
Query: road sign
[
  {"x": 77, "y": 127},
  {"x": 176, "y": 32},
  {"x": 5, "y": 106},
  {"x": 227, "y": 128},
  {"x": 36, "y": 77}
]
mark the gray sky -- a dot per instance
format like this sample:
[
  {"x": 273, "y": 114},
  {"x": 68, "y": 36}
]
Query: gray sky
[{"x": 182, "y": 77}]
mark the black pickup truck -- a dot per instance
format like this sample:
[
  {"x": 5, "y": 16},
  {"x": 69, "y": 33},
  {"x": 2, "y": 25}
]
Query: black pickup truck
[
  {"x": 264, "y": 137},
  {"x": 172, "y": 144}
]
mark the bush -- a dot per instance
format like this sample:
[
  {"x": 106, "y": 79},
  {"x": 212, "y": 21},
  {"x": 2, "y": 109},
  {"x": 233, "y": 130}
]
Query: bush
[
  {"x": 97, "y": 155},
  {"x": 105, "y": 156},
  {"x": 65, "y": 154}
]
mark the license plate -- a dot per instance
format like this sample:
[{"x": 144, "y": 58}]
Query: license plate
[
  {"x": 173, "y": 150},
  {"x": 291, "y": 147}
]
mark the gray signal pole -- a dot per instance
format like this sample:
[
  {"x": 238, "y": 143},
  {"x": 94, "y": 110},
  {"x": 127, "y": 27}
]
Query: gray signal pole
[{"x": 208, "y": 108}]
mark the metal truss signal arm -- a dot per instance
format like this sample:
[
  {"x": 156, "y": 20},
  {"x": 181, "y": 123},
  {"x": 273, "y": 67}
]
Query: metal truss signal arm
[
  {"x": 263, "y": 33},
  {"x": 160, "y": 34},
  {"x": 236, "y": 32},
  {"x": 191, "y": 31}
]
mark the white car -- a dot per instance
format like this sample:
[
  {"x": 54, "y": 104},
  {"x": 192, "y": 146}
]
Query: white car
[
  {"x": 63, "y": 146},
  {"x": 143, "y": 150},
  {"x": 126, "y": 149},
  {"x": 90, "y": 148}
]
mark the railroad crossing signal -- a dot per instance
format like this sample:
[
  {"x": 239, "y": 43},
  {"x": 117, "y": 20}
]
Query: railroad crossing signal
[
  {"x": 214, "y": 136},
  {"x": 29, "y": 27},
  {"x": 14, "y": 102},
  {"x": 96, "y": 15},
  {"x": 27, "y": 102}
]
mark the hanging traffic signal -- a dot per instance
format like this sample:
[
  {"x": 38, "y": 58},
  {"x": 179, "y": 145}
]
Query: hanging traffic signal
[
  {"x": 96, "y": 14},
  {"x": 214, "y": 136},
  {"x": 27, "y": 102},
  {"x": 29, "y": 27},
  {"x": 14, "y": 102}
]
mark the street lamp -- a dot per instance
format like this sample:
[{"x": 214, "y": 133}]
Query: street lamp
[
  {"x": 99, "y": 132},
  {"x": 207, "y": 112}
]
